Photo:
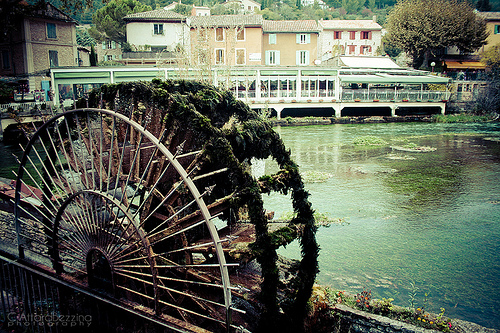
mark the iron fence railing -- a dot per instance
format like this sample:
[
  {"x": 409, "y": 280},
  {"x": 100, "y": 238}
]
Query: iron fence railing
[{"x": 34, "y": 301}]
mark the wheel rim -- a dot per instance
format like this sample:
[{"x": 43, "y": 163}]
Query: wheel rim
[{"x": 110, "y": 204}]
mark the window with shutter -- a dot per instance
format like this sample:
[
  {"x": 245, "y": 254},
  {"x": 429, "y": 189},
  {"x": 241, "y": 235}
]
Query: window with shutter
[
  {"x": 219, "y": 56},
  {"x": 240, "y": 56},
  {"x": 219, "y": 34},
  {"x": 51, "y": 30},
  {"x": 158, "y": 29},
  {"x": 352, "y": 34},
  {"x": 53, "y": 59},
  {"x": 272, "y": 38},
  {"x": 240, "y": 36}
]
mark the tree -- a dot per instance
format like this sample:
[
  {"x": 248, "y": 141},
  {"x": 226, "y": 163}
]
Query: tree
[
  {"x": 353, "y": 6},
  {"x": 108, "y": 20},
  {"x": 483, "y": 5},
  {"x": 93, "y": 56},
  {"x": 423, "y": 27}
]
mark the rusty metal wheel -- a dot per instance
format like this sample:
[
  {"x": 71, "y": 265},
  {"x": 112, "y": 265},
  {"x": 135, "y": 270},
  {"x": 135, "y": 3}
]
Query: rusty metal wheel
[{"x": 114, "y": 208}]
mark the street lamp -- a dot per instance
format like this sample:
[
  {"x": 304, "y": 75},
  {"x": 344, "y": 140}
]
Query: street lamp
[{"x": 432, "y": 66}]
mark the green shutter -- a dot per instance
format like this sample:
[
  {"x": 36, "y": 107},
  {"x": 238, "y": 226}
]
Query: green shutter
[
  {"x": 104, "y": 45},
  {"x": 308, "y": 39},
  {"x": 297, "y": 38},
  {"x": 267, "y": 58},
  {"x": 297, "y": 58},
  {"x": 277, "y": 57}
]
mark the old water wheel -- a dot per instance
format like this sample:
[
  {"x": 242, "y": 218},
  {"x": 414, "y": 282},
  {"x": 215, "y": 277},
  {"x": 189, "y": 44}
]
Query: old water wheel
[{"x": 145, "y": 194}]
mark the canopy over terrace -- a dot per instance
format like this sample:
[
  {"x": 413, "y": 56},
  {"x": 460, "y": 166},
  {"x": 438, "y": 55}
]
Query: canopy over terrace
[{"x": 386, "y": 78}]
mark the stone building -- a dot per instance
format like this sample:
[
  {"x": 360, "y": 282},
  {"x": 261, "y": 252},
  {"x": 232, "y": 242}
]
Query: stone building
[{"x": 43, "y": 39}]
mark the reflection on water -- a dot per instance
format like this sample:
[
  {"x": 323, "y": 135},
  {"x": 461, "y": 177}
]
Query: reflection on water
[{"x": 429, "y": 217}]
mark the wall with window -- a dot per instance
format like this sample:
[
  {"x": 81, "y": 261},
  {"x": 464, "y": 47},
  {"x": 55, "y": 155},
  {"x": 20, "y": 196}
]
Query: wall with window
[
  {"x": 493, "y": 27},
  {"x": 31, "y": 51},
  {"x": 349, "y": 41},
  {"x": 240, "y": 46},
  {"x": 290, "y": 48},
  {"x": 158, "y": 35}
]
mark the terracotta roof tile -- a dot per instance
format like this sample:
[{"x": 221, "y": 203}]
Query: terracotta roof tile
[
  {"x": 227, "y": 20},
  {"x": 291, "y": 26},
  {"x": 490, "y": 16},
  {"x": 158, "y": 14},
  {"x": 350, "y": 24}
]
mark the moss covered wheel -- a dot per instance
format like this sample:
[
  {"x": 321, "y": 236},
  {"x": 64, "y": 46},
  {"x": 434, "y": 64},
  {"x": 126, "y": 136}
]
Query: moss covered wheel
[{"x": 142, "y": 197}]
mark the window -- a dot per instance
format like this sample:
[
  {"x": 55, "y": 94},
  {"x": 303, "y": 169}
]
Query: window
[
  {"x": 352, "y": 49},
  {"x": 219, "y": 34},
  {"x": 272, "y": 38},
  {"x": 272, "y": 57},
  {"x": 303, "y": 38},
  {"x": 53, "y": 59},
  {"x": 110, "y": 44},
  {"x": 337, "y": 34},
  {"x": 352, "y": 34},
  {"x": 240, "y": 56},
  {"x": 302, "y": 58},
  {"x": 497, "y": 30},
  {"x": 158, "y": 29},
  {"x": 366, "y": 35},
  {"x": 109, "y": 57},
  {"x": 5, "y": 59},
  {"x": 240, "y": 34},
  {"x": 219, "y": 56},
  {"x": 366, "y": 49},
  {"x": 51, "y": 30}
]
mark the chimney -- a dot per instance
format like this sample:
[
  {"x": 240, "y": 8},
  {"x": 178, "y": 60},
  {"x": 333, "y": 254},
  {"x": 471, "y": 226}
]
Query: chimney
[{"x": 374, "y": 18}]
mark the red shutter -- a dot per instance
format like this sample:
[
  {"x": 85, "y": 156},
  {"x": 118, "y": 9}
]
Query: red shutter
[{"x": 370, "y": 35}]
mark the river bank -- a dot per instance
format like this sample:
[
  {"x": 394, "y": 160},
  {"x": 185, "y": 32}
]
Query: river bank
[{"x": 451, "y": 118}]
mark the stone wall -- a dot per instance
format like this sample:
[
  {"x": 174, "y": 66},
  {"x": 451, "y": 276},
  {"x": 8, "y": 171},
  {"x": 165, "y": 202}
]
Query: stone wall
[{"x": 356, "y": 321}]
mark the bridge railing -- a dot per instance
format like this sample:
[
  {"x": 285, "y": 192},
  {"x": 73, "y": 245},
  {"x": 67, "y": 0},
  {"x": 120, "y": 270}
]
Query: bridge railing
[{"x": 395, "y": 96}]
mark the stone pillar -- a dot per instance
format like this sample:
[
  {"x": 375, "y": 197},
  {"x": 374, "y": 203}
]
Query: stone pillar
[{"x": 393, "y": 110}]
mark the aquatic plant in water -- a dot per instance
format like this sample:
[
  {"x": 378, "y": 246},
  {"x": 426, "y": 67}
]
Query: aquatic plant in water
[{"x": 369, "y": 140}]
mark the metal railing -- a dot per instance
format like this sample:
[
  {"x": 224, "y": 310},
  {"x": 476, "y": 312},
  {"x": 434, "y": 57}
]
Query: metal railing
[
  {"x": 35, "y": 301},
  {"x": 393, "y": 96}
]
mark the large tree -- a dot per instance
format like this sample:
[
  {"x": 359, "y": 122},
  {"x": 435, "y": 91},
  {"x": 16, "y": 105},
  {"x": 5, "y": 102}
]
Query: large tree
[
  {"x": 108, "y": 20},
  {"x": 422, "y": 27}
]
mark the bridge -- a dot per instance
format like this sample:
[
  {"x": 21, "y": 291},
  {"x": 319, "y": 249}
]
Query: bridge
[{"x": 393, "y": 91}]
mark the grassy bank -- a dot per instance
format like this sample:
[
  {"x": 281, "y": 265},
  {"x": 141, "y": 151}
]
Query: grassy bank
[{"x": 461, "y": 118}]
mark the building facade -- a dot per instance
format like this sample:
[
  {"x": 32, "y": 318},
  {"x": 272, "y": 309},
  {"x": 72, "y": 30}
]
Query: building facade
[
  {"x": 43, "y": 39},
  {"x": 290, "y": 43},
  {"x": 226, "y": 40},
  {"x": 157, "y": 30},
  {"x": 349, "y": 37},
  {"x": 493, "y": 27}
]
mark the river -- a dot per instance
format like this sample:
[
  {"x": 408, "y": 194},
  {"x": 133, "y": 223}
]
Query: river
[{"x": 416, "y": 211}]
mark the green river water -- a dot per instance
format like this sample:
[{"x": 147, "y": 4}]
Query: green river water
[
  {"x": 419, "y": 211},
  {"x": 417, "y": 206}
]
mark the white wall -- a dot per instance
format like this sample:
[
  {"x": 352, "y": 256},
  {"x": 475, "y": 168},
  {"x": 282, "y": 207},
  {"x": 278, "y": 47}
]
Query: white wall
[
  {"x": 141, "y": 33},
  {"x": 327, "y": 42}
]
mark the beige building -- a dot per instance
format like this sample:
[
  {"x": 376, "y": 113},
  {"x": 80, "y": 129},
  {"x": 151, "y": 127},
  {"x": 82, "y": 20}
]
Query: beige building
[
  {"x": 42, "y": 40},
  {"x": 290, "y": 43},
  {"x": 226, "y": 40},
  {"x": 493, "y": 27}
]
